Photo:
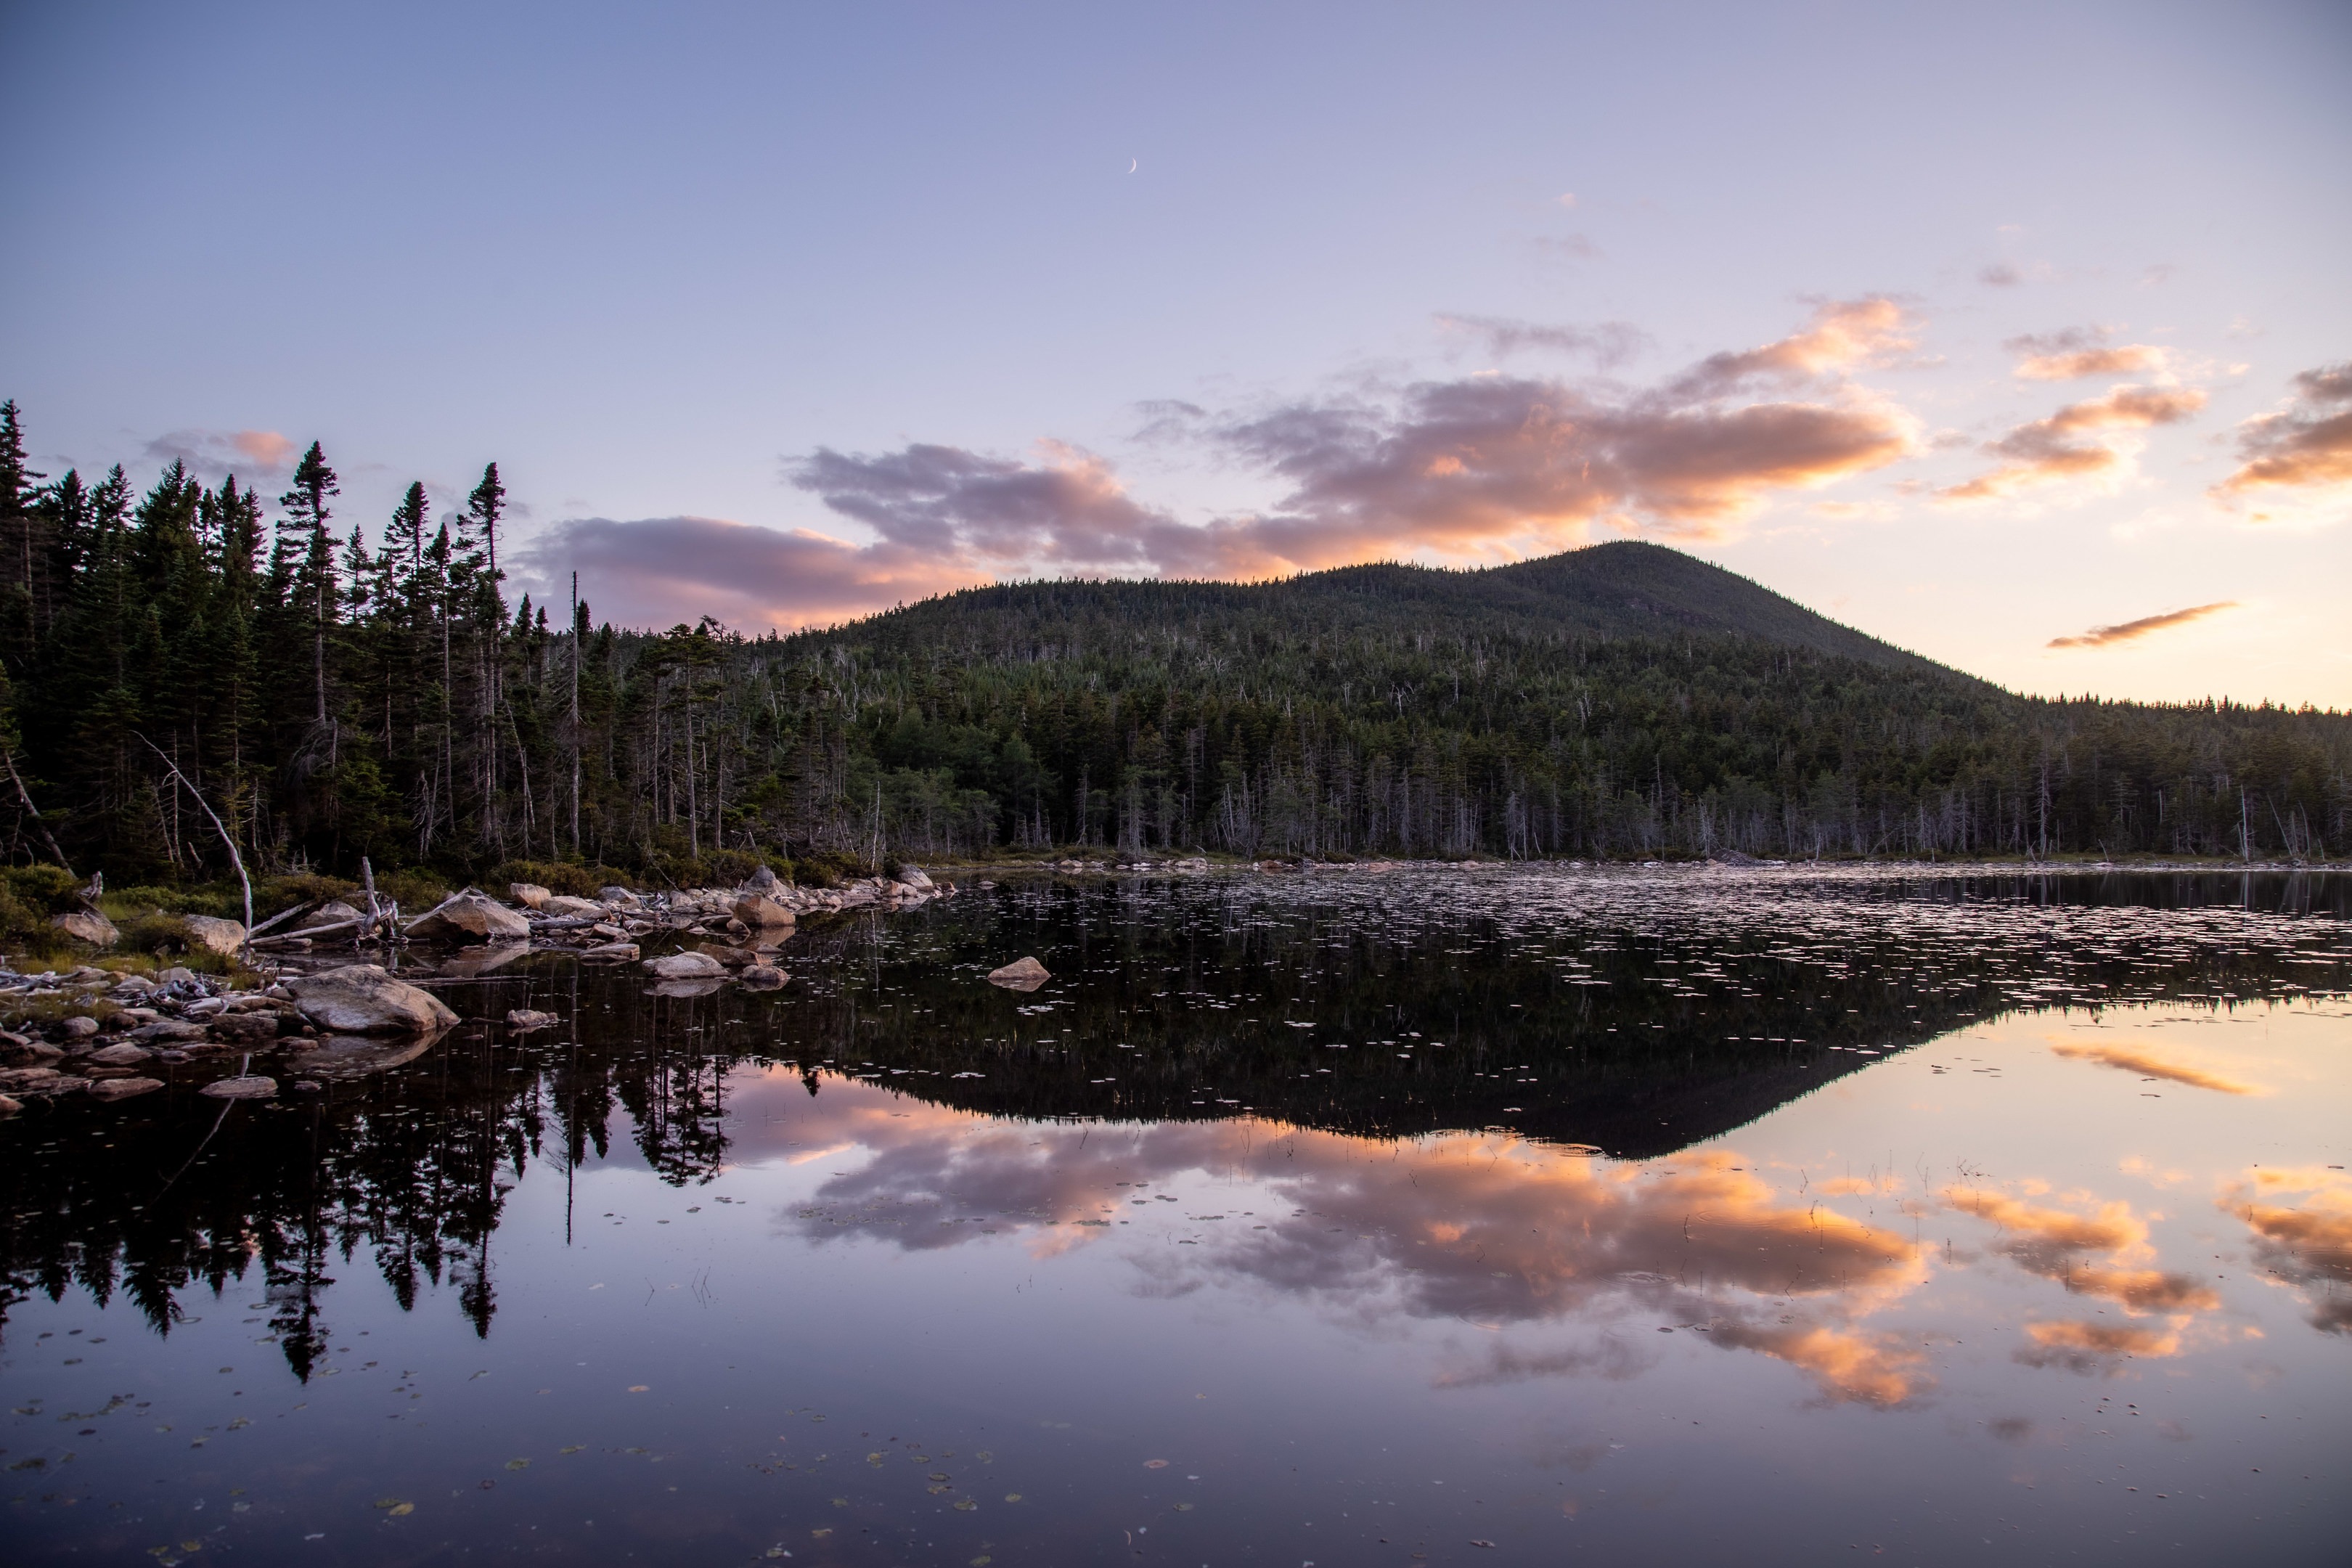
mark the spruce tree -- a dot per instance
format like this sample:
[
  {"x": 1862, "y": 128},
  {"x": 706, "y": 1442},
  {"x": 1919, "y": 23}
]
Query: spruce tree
[{"x": 314, "y": 580}]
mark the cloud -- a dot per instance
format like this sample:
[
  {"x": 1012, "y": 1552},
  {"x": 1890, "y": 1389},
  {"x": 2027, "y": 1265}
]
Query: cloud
[
  {"x": 2052, "y": 1243},
  {"x": 2065, "y": 446},
  {"x": 1479, "y": 468},
  {"x": 1843, "y": 333},
  {"x": 2307, "y": 1243},
  {"x": 1999, "y": 275},
  {"x": 2128, "y": 1058},
  {"x": 217, "y": 453},
  {"x": 2093, "y": 1347},
  {"x": 1611, "y": 344},
  {"x": 2131, "y": 631},
  {"x": 2074, "y": 354},
  {"x": 660, "y": 571},
  {"x": 2306, "y": 446}
]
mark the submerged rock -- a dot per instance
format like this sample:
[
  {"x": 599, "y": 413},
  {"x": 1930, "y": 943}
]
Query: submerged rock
[
  {"x": 612, "y": 953},
  {"x": 86, "y": 925},
  {"x": 245, "y": 1028},
  {"x": 124, "y": 1088},
  {"x": 361, "y": 999},
  {"x": 762, "y": 977},
  {"x": 530, "y": 1018},
  {"x": 686, "y": 966},
  {"x": 1021, "y": 974},
  {"x": 471, "y": 914},
  {"x": 254, "y": 1088},
  {"x": 122, "y": 1056}
]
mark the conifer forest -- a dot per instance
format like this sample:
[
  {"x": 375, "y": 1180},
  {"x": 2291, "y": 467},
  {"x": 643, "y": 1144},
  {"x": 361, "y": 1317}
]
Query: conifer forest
[{"x": 331, "y": 687}]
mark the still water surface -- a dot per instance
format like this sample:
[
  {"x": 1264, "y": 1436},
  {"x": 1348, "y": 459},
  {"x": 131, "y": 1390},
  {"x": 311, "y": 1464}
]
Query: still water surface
[{"x": 1420, "y": 1217}]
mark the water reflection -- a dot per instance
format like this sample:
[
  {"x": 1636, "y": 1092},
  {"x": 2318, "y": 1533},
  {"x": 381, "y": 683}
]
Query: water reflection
[{"x": 1960, "y": 1160}]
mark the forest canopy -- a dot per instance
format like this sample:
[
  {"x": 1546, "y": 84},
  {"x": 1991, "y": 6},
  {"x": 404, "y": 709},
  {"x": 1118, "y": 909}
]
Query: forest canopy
[{"x": 333, "y": 687}]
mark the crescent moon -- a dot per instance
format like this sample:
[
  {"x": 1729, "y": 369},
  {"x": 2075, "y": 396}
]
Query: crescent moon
[{"x": 1131, "y": 163}]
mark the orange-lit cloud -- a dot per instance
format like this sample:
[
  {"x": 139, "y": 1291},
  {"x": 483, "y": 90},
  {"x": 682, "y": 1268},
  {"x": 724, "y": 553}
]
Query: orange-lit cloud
[
  {"x": 2090, "y": 1254},
  {"x": 2302, "y": 1221},
  {"x": 2131, "y": 631},
  {"x": 2073, "y": 355},
  {"x": 2146, "y": 1064},
  {"x": 217, "y": 453},
  {"x": 1479, "y": 1227},
  {"x": 2065, "y": 446},
  {"x": 2094, "y": 1347},
  {"x": 2307, "y": 446},
  {"x": 1484, "y": 467}
]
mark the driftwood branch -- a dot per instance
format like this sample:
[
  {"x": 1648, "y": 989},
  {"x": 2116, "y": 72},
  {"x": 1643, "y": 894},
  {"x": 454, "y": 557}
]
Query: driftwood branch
[{"x": 245, "y": 948}]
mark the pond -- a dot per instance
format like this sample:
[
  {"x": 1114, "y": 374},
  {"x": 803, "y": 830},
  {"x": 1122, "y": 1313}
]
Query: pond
[{"x": 1421, "y": 1216}]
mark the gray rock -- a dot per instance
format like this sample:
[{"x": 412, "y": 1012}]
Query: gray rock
[
  {"x": 122, "y": 1056},
  {"x": 215, "y": 935},
  {"x": 472, "y": 915},
  {"x": 686, "y": 966},
  {"x": 80, "y": 1026},
  {"x": 165, "y": 1029},
  {"x": 761, "y": 882},
  {"x": 913, "y": 877},
  {"x": 247, "y": 1029},
  {"x": 86, "y": 925},
  {"x": 527, "y": 1018},
  {"x": 529, "y": 895},
  {"x": 618, "y": 895},
  {"x": 762, "y": 977},
  {"x": 334, "y": 912},
  {"x": 255, "y": 1087},
  {"x": 124, "y": 1088},
  {"x": 22, "y": 1053},
  {"x": 612, "y": 953},
  {"x": 683, "y": 988},
  {"x": 361, "y": 999},
  {"x": 1021, "y": 974},
  {"x": 10, "y": 1106},
  {"x": 559, "y": 904}
]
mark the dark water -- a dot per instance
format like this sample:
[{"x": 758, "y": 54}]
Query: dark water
[{"x": 1651, "y": 1217}]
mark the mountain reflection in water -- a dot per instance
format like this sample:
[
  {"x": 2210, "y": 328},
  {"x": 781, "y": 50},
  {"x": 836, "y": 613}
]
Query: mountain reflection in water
[{"x": 1907, "y": 1148}]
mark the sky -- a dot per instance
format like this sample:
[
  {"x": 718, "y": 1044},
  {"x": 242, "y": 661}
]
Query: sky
[{"x": 2017, "y": 335}]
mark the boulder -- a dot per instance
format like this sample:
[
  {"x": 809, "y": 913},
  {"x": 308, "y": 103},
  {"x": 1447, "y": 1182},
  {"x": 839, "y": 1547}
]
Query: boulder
[
  {"x": 255, "y": 1087},
  {"x": 86, "y": 925},
  {"x": 122, "y": 1056},
  {"x": 529, "y": 1019},
  {"x": 80, "y": 1026},
  {"x": 472, "y": 916},
  {"x": 1021, "y": 974},
  {"x": 23, "y": 1079},
  {"x": 912, "y": 876},
  {"x": 612, "y": 953},
  {"x": 761, "y": 883},
  {"x": 31, "y": 1054},
  {"x": 215, "y": 935},
  {"x": 124, "y": 1088},
  {"x": 361, "y": 999},
  {"x": 761, "y": 912},
  {"x": 334, "y": 912},
  {"x": 166, "y": 1029},
  {"x": 529, "y": 895},
  {"x": 620, "y": 896},
  {"x": 557, "y": 904},
  {"x": 686, "y": 966},
  {"x": 763, "y": 977},
  {"x": 9, "y": 1107}
]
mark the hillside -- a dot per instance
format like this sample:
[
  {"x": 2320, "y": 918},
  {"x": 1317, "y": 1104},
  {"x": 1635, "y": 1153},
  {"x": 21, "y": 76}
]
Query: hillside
[{"x": 1624, "y": 589}]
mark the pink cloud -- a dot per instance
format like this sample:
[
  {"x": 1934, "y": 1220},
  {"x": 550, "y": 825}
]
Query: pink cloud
[
  {"x": 2065, "y": 446},
  {"x": 2306, "y": 447}
]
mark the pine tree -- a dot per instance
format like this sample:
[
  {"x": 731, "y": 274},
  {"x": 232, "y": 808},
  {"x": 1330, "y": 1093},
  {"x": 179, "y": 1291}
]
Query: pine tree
[{"x": 314, "y": 578}]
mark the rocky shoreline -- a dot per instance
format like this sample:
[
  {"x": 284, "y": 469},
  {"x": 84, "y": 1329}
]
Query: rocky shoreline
[{"x": 106, "y": 1035}]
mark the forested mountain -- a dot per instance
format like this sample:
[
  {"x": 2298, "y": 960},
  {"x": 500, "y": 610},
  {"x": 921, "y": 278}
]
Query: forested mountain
[{"x": 333, "y": 688}]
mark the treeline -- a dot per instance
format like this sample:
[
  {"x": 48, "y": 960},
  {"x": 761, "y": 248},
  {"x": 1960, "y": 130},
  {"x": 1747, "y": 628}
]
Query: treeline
[{"x": 329, "y": 689}]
